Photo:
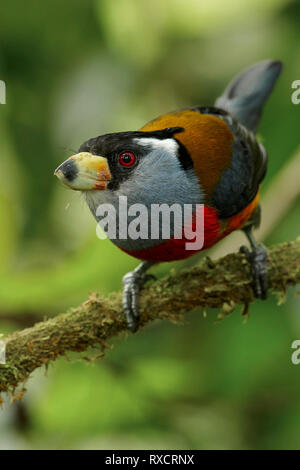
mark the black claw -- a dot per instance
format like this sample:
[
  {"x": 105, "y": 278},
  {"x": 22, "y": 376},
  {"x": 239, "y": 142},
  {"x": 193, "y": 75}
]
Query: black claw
[
  {"x": 133, "y": 282},
  {"x": 258, "y": 260},
  {"x": 132, "y": 326}
]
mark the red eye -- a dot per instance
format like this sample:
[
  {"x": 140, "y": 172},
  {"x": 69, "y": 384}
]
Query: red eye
[{"x": 127, "y": 158}]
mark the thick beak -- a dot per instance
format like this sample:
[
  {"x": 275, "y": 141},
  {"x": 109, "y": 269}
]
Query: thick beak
[{"x": 84, "y": 172}]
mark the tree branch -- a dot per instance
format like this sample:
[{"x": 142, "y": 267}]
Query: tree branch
[{"x": 223, "y": 284}]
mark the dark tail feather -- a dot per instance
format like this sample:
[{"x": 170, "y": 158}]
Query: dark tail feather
[{"x": 246, "y": 94}]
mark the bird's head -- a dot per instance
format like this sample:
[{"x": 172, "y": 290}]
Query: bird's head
[{"x": 130, "y": 163}]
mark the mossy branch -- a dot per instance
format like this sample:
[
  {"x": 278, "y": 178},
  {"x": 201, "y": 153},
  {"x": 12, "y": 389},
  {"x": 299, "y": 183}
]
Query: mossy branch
[{"x": 222, "y": 284}]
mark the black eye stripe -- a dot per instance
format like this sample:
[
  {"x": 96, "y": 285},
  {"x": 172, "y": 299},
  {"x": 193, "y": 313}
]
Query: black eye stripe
[
  {"x": 108, "y": 141},
  {"x": 184, "y": 157}
]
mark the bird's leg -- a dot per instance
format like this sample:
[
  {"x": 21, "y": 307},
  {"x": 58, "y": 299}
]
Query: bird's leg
[
  {"x": 257, "y": 257},
  {"x": 133, "y": 282}
]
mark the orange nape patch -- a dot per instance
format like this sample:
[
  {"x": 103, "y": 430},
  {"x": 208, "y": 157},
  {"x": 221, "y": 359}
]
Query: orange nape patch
[{"x": 207, "y": 139}]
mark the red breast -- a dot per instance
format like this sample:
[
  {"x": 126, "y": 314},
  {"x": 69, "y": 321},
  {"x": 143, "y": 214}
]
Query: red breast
[{"x": 214, "y": 230}]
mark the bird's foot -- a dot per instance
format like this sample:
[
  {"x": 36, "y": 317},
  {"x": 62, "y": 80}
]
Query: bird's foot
[
  {"x": 133, "y": 282},
  {"x": 257, "y": 257}
]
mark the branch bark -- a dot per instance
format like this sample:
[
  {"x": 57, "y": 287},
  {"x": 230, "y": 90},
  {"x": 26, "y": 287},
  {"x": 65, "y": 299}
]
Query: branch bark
[{"x": 222, "y": 284}]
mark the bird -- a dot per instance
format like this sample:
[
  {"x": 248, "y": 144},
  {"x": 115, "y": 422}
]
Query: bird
[{"x": 207, "y": 157}]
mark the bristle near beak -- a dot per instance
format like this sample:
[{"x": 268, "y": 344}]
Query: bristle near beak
[{"x": 84, "y": 172}]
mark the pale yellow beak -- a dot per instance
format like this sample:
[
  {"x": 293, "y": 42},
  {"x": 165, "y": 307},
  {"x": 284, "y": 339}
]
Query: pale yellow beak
[{"x": 84, "y": 172}]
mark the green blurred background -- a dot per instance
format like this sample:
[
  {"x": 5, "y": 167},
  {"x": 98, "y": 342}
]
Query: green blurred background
[{"x": 78, "y": 69}]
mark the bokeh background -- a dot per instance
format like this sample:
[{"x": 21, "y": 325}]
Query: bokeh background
[{"x": 78, "y": 69}]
